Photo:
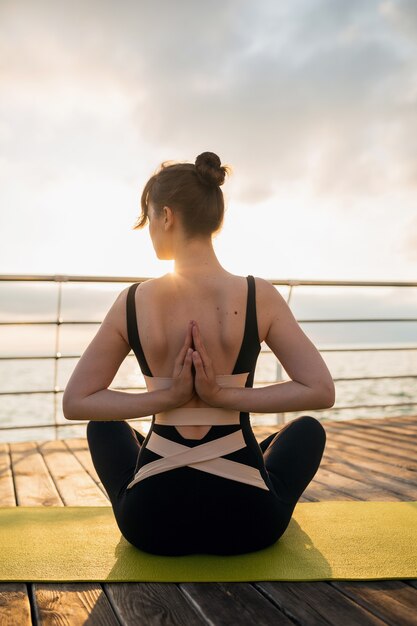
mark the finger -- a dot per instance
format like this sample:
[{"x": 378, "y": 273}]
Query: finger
[
  {"x": 203, "y": 355},
  {"x": 179, "y": 361},
  {"x": 186, "y": 368},
  {"x": 186, "y": 345},
  {"x": 189, "y": 334},
  {"x": 199, "y": 365},
  {"x": 188, "y": 338},
  {"x": 196, "y": 336},
  {"x": 189, "y": 356},
  {"x": 198, "y": 342}
]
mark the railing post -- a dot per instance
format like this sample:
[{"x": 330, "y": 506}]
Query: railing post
[{"x": 57, "y": 352}]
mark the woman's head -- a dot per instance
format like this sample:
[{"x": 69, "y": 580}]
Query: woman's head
[{"x": 191, "y": 191}]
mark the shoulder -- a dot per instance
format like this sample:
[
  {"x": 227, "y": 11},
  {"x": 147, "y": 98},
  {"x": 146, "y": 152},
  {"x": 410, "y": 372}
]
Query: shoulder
[
  {"x": 261, "y": 284},
  {"x": 119, "y": 309},
  {"x": 266, "y": 290},
  {"x": 270, "y": 303},
  {"x": 144, "y": 285},
  {"x": 151, "y": 287}
]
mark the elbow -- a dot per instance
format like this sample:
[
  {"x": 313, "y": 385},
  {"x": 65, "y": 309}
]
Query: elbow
[
  {"x": 68, "y": 408},
  {"x": 68, "y": 413},
  {"x": 329, "y": 396}
]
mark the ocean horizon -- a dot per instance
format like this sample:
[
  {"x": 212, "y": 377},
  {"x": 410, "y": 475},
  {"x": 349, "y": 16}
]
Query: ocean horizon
[{"x": 84, "y": 302}]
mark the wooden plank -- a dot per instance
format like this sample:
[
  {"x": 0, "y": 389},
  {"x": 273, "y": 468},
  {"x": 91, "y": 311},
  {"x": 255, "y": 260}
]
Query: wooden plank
[
  {"x": 79, "y": 448},
  {"x": 33, "y": 483},
  {"x": 227, "y": 604},
  {"x": 75, "y": 604},
  {"x": 321, "y": 488},
  {"x": 75, "y": 486},
  {"x": 402, "y": 420},
  {"x": 153, "y": 603},
  {"x": 14, "y": 605},
  {"x": 317, "y": 603},
  {"x": 404, "y": 442},
  {"x": 262, "y": 432},
  {"x": 391, "y": 600},
  {"x": 35, "y": 486},
  {"x": 7, "y": 493},
  {"x": 355, "y": 482},
  {"x": 362, "y": 458},
  {"x": 403, "y": 483},
  {"x": 349, "y": 485},
  {"x": 316, "y": 492},
  {"x": 378, "y": 437},
  {"x": 348, "y": 451},
  {"x": 405, "y": 433},
  {"x": 357, "y": 489},
  {"x": 394, "y": 452}
]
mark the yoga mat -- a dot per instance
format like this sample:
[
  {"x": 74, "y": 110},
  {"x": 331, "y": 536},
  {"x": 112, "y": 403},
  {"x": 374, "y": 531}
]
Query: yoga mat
[{"x": 333, "y": 540}]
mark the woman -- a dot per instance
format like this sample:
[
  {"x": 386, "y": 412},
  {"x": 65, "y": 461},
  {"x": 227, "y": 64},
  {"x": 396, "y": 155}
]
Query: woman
[{"x": 199, "y": 482}]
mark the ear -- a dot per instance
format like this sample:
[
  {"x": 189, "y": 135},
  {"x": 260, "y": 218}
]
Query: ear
[{"x": 168, "y": 216}]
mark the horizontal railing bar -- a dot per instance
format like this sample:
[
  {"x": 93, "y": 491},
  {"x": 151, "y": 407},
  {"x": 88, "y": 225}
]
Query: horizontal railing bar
[
  {"x": 368, "y": 349},
  {"x": 58, "y": 425},
  {"x": 77, "y": 356},
  {"x": 356, "y": 319},
  {"x": 345, "y": 379},
  {"x": 71, "y": 278},
  {"x": 367, "y": 406},
  {"x": 257, "y": 382},
  {"x": 134, "y": 279},
  {"x": 53, "y": 425},
  {"x": 54, "y": 391},
  {"x": 381, "y": 377},
  {"x": 301, "y": 321}
]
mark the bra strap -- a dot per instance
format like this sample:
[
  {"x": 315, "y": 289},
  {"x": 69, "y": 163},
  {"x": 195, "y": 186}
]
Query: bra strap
[
  {"x": 132, "y": 330},
  {"x": 251, "y": 344},
  {"x": 252, "y": 319}
]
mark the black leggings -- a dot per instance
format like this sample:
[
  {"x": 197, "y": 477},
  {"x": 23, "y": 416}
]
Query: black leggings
[{"x": 292, "y": 457}]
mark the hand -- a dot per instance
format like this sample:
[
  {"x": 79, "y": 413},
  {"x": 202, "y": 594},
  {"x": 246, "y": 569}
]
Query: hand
[
  {"x": 205, "y": 379},
  {"x": 182, "y": 387}
]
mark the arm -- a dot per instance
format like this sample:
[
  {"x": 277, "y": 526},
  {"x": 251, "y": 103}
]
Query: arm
[
  {"x": 285, "y": 396},
  {"x": 111, "y": 404},
  {"x": 311, "y": 386},
  {"x": 86, "y": 396}
]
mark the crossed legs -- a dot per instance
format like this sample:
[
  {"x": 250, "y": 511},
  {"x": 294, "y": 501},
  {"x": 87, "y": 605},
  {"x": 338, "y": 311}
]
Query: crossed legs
[
  {"x": 292, "y": 455},
  {"x": 114, "y": 448}
]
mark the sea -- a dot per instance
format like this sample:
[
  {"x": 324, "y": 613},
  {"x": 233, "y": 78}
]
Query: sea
[{"x": 373, "y": 360}]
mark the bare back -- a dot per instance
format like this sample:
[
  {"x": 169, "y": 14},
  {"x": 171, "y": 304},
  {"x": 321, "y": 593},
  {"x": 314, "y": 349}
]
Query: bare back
[{"x": 164, "y": 307}]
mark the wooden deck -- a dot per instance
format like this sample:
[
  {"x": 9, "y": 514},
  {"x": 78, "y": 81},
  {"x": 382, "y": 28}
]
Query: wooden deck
[{"x": 363, "y": 460}]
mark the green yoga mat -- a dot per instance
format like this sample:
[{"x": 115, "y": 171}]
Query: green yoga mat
[{"x": 334, "y": 540}]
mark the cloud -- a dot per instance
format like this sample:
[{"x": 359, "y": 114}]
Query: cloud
[
  {"x": 402, "y": 15},
  {"x": 318, "y": 94}
]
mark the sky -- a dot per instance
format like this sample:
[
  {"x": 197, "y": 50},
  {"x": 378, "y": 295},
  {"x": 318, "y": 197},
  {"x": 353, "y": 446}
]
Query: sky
[{"x": 312, "y": 103}]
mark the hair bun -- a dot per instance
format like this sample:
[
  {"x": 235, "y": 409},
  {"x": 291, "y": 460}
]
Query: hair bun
[{"x": 209, "y": 168}]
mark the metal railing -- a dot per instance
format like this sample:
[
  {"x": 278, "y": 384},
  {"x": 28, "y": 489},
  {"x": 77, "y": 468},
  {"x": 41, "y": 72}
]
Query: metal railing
[{"x": 292, "y": 284}]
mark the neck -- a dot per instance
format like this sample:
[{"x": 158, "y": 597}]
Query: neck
[{"x": 196, "y": 258}]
